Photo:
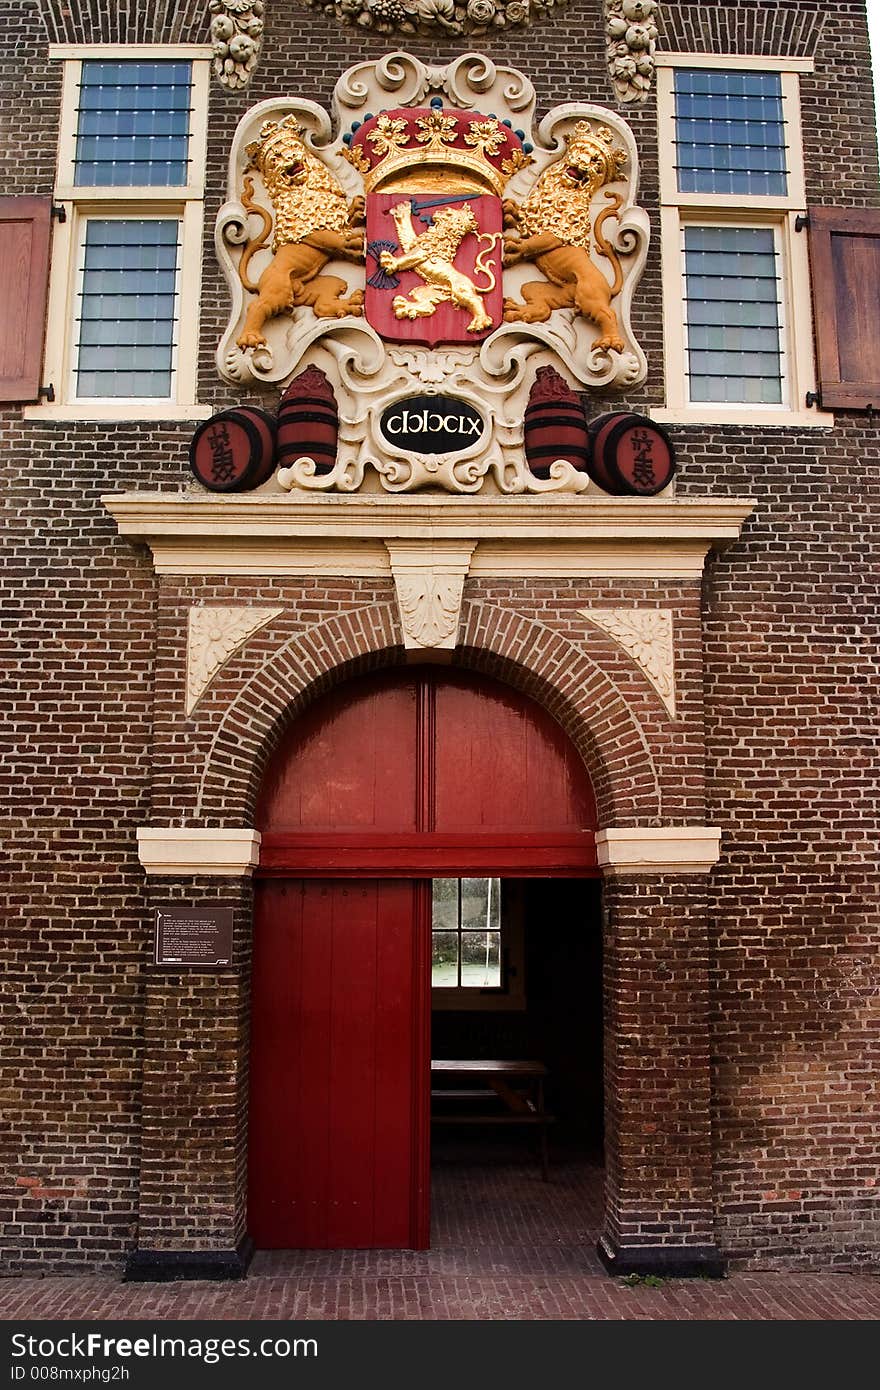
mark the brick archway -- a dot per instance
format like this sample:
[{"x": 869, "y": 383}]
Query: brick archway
[
  {"x": 646, "y": 776},
  {"x": 524, "y": 653}
]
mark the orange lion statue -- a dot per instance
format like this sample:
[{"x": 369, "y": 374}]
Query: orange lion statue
[
  {"x": 553, "y": 228},
  {"x": 313, "y": 224}
]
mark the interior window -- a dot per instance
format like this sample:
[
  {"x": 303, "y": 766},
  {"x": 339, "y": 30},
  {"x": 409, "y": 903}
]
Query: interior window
[{"x": 466, "y": 933}]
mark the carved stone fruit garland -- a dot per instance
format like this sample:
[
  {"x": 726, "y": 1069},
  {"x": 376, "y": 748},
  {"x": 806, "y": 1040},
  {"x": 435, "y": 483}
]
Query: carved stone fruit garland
[{"x": 237, "y": 36}]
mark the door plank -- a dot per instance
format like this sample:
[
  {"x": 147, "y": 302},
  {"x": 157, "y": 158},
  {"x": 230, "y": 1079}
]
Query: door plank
[{"x": 352, "y": 1156}]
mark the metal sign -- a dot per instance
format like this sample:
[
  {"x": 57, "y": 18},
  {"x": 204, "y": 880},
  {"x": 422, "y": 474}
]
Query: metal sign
[{"x": 191, "y": 936}]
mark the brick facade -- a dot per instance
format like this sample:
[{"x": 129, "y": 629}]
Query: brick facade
[{"x": 755, "y": 993}]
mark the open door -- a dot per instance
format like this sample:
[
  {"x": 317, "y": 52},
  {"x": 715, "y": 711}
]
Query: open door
[{"x": 382, "y": 786}]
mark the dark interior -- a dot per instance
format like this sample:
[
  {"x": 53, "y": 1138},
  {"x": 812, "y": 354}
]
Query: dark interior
[{"x": 560, "y": 1025}]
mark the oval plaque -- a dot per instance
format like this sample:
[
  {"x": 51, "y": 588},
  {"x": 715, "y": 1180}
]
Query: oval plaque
[{"x": 432, "y": 424}]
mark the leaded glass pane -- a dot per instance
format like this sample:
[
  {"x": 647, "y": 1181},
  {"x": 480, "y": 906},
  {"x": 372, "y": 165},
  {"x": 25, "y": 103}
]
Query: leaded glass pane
[
  {"x": 481, "y": 959},
  {"x": 730, "y": 134},
  {"x": 480, "y": 903},
  {"x": 127, "y": 308},
  {"x": 133, "y": 125},
  {"x": 444, "y": 959},
  {"x": 444, "y": 904}
]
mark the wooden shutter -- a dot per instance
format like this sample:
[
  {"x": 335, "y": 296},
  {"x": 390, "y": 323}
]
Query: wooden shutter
[
  {"x": 25, "y": 227},
  {"x": 845, "y": 265}
]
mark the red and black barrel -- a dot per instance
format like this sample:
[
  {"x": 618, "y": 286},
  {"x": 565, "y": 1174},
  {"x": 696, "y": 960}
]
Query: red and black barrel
[
  {"x": 308, "y": 421},
  {"x": 630, "y": 455},
  {"x": 555, "y": 424},
  {"x": 234, "y": 451}
]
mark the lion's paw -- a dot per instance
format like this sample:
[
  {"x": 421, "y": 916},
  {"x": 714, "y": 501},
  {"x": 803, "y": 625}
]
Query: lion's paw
[
  {"x": 607, "y": 343},
  {"x": 251, "y": 339},
  {"x": 525, "y": 313}
]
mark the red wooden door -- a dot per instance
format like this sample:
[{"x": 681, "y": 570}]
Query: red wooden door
[
  {"x": 425, "y": 772},
  {"x": 338, "y": 1104},
  {"x": 378, "y": 787}
]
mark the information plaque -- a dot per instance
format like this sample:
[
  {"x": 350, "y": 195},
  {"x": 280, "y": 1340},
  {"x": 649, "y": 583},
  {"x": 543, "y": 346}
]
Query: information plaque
[{"x": 193, "y": 936}]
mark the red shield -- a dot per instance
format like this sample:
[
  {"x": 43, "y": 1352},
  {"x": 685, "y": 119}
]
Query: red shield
[{"x": 434, "y": 266}]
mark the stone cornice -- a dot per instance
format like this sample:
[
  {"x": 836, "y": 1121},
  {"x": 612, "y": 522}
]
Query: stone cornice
[{"x": 269, "y": 534}]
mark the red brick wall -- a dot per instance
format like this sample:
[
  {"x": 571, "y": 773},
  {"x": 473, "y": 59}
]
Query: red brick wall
[
  {"x": 658, "y": 1181},
  {"x": 645, "y": 767},
  {"x": 193, "y": 1177}
]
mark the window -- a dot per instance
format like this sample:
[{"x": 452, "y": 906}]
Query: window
[
  {"x": 126, "y": 308},
  {"x": 733, "y": 314},
  {"x": 123, "y": 336},
  {"x": 133, "y": 125},
  {"x": 730, "y": 132},
  {"x": 476, "y": 943},
  {"x": 466, "y": 933},
  {"x": 737, "y": 318}
]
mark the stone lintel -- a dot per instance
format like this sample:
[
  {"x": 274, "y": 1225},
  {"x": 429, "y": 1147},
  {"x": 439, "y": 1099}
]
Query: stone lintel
[{"x": 263, "y": 534}]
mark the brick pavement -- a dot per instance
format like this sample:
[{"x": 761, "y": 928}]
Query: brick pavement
[{"x": 505, "y": 1246}]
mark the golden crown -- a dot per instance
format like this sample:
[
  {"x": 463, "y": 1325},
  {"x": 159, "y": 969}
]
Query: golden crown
[{"x": 418, "y": 137}]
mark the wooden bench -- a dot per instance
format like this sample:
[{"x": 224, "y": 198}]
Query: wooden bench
[{"x": 518, "y": 1085}]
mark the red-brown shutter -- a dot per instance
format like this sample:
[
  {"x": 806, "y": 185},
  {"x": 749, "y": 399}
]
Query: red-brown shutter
[
  {"x": 25, "y": 227},
  {"x": 845, "y": 264}
]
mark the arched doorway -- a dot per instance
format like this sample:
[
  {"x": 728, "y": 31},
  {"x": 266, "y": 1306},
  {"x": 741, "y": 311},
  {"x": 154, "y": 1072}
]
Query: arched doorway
[{"x": 385, "y": 786}]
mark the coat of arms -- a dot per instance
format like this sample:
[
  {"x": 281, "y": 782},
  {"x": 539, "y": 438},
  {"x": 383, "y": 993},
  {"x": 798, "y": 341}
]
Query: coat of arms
[
  {"x": 434, "y": 245},
  {"x": 433, "y": 179}
]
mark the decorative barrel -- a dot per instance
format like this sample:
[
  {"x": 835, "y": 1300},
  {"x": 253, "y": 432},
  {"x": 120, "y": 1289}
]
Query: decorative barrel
[
  {"x": 308, "y": 421},
  {"x": 630, "y": 455},
  {"x": 555, "y": 424},
  {"x": 234, "y": 451}
]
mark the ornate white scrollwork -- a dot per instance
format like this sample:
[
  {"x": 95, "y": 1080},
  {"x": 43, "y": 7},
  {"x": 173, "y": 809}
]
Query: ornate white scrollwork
[
  {"x": 429, "y": 607},
  {"x": 607, "y": 238},
  {"x": 429, "y": 582}
]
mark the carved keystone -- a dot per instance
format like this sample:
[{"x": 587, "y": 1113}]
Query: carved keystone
[{"x": 429, "y": 578}]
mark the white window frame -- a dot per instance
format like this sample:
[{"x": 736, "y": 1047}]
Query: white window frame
[
  {"x": 678, "y": 210},
  {"x": 185, "y": 202}
]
